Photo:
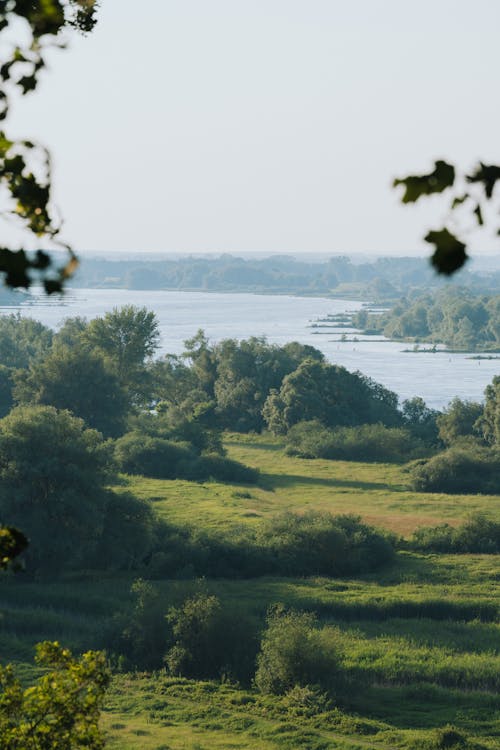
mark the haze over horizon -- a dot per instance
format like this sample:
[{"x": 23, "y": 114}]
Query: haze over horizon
[{"x": 271, "y": 126}]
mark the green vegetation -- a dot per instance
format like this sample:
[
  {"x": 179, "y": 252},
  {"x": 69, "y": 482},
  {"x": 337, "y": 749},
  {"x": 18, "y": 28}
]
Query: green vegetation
[
  {"x": 456, "y": 317},
  {"x": 412, "y": 647},
  {"x": 62, "y": 709},
  {"x": 314, "y": 596}
]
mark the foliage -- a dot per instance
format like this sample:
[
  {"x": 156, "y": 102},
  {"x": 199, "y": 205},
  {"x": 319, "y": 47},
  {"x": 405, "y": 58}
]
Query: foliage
[
  {"x": 477, "y": 535},
  {"x": 450, "y": 252},
  {"x": 421, "y": 420},
  {"x": 61, "y": 710},
  {"x": 25, "y": 169},
  {"x": 12, "y": 544},
  {"x": 292, "y": 653},
  {"x": 22, "y": 340},
  {"x": 140, "y": 634},
  {"x": 489, "y": 424},
  {"x": 369, "y": 442},
  {"x": 456, "y": 317},
  {"x": 126, "y": 337},
  {"x": 330, "y": 394},
  {"x": 76, "y": 379},
  {"x": 136, "y": 453},
  {"x": 464, "y": 468},
  {"x": 52, "y": 476},
  {"x": 459, "y": 420},
  {"x": 317, "y": 543}
]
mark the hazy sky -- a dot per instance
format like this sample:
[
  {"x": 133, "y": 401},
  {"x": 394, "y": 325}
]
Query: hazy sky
[{"x": 274, "y": 125}]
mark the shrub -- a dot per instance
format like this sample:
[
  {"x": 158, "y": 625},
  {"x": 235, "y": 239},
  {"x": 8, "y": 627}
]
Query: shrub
[
  {"x": 368, "y": 442},
  {"x": 320, "y": 544},
  {"x": 462, "y": 469},
  {"x": 223, "y": 470},
  {"x": 136, "y": 453},
  {"x": 292, "y": 653},
  {"x": 477, "y": 535},
  {"x": 207, "y": 641}
]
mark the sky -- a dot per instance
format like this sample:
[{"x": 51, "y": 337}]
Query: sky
[{"x": 271, "y": 125}]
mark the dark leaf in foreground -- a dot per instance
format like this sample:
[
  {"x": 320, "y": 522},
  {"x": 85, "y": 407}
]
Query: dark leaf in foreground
[
  {"x": 488, "y": 174},
  {"x": 441, "y": 178},
  {"x": 449, "y": 254}
]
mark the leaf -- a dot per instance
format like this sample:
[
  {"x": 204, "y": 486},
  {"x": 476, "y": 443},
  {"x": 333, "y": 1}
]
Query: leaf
[
  {"x": 459, "y": 200},
  {"x": 441, "y": 178},
  {"x": 479, "y": 215},
  {"x": 449, "y": 254},
  {"x": 488, "y": 175}
]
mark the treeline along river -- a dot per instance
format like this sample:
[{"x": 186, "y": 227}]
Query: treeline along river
[{"x": 436, "y": 377}]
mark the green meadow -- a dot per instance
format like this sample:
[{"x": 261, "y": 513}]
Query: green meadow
[{"x": 420, "y": 638}]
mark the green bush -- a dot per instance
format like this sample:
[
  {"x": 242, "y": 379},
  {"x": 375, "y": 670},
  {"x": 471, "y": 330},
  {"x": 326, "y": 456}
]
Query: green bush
[
  {"x": 368, "y": 442},
  {"x": 293, "y": 653},
  {"x": 477, "y": 535},
  {"x": 208, "y": 642},
  {"x": 137, "y": 453},
  {"x": 463, "y": 469},
  {"x": 320, "y": 544}
]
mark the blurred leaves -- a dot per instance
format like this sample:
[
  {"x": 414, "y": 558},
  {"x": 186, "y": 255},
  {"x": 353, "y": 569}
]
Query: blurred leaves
[
  {"x": 437, "y": 181},
  {"x": 12, "y": 543},
  {"x": 450, "y": 250},
  {"x": 25, "y": 170},
  {"x": 449, "y": 254}
]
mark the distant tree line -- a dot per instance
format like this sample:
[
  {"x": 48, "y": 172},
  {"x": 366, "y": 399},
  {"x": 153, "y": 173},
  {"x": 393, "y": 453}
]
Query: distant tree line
[
  {"x": 382, "y": 278},
  {"x": 456, "y": 317}
]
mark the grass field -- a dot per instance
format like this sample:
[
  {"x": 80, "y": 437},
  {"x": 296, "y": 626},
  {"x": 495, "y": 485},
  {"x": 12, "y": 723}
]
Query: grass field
[
  {"x": 377, "y": 492},
  {"x": 420, "y": 637}
]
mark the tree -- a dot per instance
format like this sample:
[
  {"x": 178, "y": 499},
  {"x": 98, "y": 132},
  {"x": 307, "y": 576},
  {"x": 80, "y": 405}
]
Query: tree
[
  {"x": 126, "y": 338},
  {"x": 77, "y": 379},
  {"x": 490, "y": 421},
  {"x": 329, "y": 393},
  {"x": 25, "y": 170},
  {"x": 61, "y": 710},
  {"x": 458, "y": 420},
  {"x": 293, "y": 653},
  {"x": 52, "y": 472}
]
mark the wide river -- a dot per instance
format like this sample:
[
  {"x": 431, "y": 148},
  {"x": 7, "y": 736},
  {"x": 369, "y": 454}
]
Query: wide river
[{"x": 437, "y": 377}]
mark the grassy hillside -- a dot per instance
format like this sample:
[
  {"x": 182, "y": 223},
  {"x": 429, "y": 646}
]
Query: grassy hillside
[{"x": 420, "y": 639}]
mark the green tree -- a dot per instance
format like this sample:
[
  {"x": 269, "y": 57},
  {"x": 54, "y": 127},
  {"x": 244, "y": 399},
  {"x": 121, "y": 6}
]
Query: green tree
[
  {"x": 292, "y": 653},
  {"x": 458, "y": 420},
  {"x": 61, "y": 710},
  {"x": 329, "y": 393},
  {"x": 22, "y": 340},
  {"x": 126, "y": 337},
  {"x": 490, "y": 421},
  {"x": 52, "y": 471},
  {"x": 77, "y": 379}
]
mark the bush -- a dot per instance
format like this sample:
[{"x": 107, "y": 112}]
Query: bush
[
  {"x": 223, "y": 470},
  {"x": 207, "y": 641},
  {"x": 320, "y": 544},
  {"x": 477, "y": 535},
  {"x": 292, "y": 653},
  {"x": 462, "y": 469},
  {"x": 137, "y": 453},
  {"x": 368, "y": 442}
]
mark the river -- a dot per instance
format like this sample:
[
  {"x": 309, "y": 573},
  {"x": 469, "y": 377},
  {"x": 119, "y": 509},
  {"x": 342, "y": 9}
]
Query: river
[{"x": 436, "y": 377}]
